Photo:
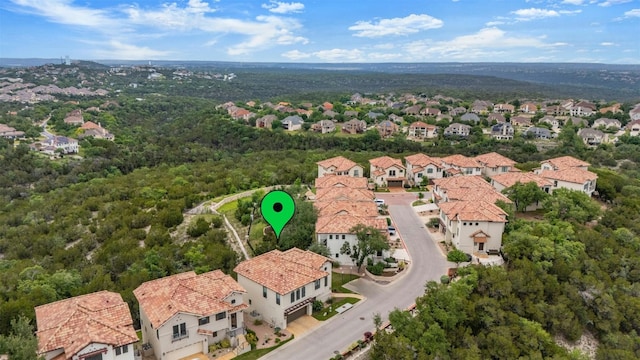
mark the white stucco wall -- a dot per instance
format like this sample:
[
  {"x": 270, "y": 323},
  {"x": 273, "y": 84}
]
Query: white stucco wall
[
  {"x": 356, "y": 171},
  {"x": 334, "y": 243},
  {"x": 460, "y": 235}
]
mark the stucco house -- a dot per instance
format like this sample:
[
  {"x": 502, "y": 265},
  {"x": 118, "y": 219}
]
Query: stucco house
[
  {"x": 592, "y": 137},
  {"x": 520, "y": 121},
  {"x": 607, "y": 123},
  {"x": 333, "y": 231},
  {"x": 95, "y": 326},
  {"x": 282, "y": 286},
  {"x": 465, "y": 188},
  {"x": 470, "y": 117},
  {"x": 324, "y": 126},
  {"x": 339, "y": 165},
  {"x": 341, "y": 182},
  {"x": 634, "y": 128},
  {"x": 387, "y": 128},
  {"x": 457, "y": 129},
  {"x": 503, "y": 108},
  {"x": 583, "y": 108},
  {"x": 461, "y": 165},
  {"x": 183, "y": 314},
  {"x": 387, "y": 171},
  {"x": 292, "y": 123},
  {"x": 503, "y": 181},
  {"x": 421, "y": 166},
  {"x": 354, "y": 126},
  {"x": 555, "y": 123},
  {"x": 494, "y": 163},
  {"x": 569, "y": 173},
  {"x": 474, "y": 227},
  {"x": 502, "y": 131},
  {"x": 422, "y": 130},
  {"x": 539, "y": 133},
  {"x": 9, "y": 132},
  {"x": 266, "y": 121}
]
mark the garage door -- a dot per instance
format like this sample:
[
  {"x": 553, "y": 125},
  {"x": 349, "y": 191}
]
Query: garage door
[
  {"x": 185, "y": 351},
  {"x": 296, "y": 314},
  {"x": 395, "y": 183}
]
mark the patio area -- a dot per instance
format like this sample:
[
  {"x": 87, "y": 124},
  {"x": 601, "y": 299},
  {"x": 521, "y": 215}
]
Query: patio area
[{"x": 266, "y": 334}]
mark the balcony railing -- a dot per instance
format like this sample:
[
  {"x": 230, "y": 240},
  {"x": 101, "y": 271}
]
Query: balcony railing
[{"x": 179, "y": 336}]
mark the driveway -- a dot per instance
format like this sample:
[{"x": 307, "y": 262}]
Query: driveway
[{"x": 339, "y": 332}]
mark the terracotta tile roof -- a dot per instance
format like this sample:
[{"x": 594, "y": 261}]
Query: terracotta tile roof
[
  {"x": 422, "y": 160},
  {"x": 421, "y": 125},
  {"x": 493, "y": 159},
  {"x": 572, "y": 175},
  {"x": 358, "y": 208},
  {"x": 469, "y": 188},
  {"x": 337, "y": 181},
  {"x": 74, "y": 323},
  {"x": 89, "y": 125},
  {"x": 187, "y": 292},
  {"x": 343, "y": 223},
  {"x": 284, "y": 272},
  {"x": 340, "y": 193},
  {"x": 461, "y": 161},
  {"x": 339, "y": 162},
  {"x": 511, "y": 178},
  {"x": 473, "y": 211},
  {"x": 480, "y": 194},
  {"x": 386, "y": 162},
  {"x": 564, "y": 162}
]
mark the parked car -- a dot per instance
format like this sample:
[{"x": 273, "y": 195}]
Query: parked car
[
  {"x": 379, "y": 202},
  {"x": 392, "y": 230}
]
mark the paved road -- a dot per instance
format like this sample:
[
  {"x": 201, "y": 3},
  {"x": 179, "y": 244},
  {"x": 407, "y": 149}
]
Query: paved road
[{"x": 343, "y": 330}]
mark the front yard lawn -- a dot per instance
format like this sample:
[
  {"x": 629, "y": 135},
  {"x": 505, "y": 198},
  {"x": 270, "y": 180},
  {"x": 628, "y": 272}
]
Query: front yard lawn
[
  {"x": 338, "y": 280},
  {"x": 330, "y": 310}
]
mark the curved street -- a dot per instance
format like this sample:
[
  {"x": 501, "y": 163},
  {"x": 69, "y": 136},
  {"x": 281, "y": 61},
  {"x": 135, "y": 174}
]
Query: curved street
[{"x": 338, "y": 333}]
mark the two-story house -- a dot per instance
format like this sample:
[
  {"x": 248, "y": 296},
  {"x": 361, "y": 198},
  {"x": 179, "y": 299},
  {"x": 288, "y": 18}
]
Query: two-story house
[
  {"x": 421, "y": 130},
  {"x": 568, "y": 172},
  {"x": 354, "y": 126},
  {"x": 9, "y": 132},
  {"x": 634, "y": 128},
  {"x": 592, "y": 137},
  {"x": 465, "y": 188},
  {"x": 183, "y": 314},
  {"x": 95, "y": 326},
  {"x": 421, "y": 166},
  {"x": 494, "y": 163},
  {"x": 474, "y": 227},
  {"x": 387, "y": 171},
  {"x": 339, "y": 165},
  {"x": 503, "y": 181},
  {"x": 461, "y": 165},
  {"x": 607, "y": 123},
  {"x": 502, "y": 131},
  {"x": 292, "y": 123},
  {"x": 282, "y": 286},
  {"x": 333, "y": 231},
  {"x": 457, "y": 129},
  {"x": 324, "y": 126}
]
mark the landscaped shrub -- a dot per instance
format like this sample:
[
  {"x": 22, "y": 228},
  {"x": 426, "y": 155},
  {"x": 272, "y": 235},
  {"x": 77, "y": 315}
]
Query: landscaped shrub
[
  {"x": 257, "y": 322},
  {"x": 317, "y": 305},
  {"x": 225, "y": 343},
  {"x": 252, "y": 339},
  {"x": 444, "y": 279},
  {"x": 376, "y": 269},
  {"x": 388, "y": 221}
]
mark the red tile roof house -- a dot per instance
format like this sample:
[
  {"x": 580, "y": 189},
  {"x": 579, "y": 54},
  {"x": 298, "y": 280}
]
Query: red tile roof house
[
  {"x": 334, "y": 230},
  {"x": 503, "y": 181},
  {"x": 90, "y": 327},
  {"x": 461, "y": 164},
  {"x": 465, "y": 188},
  {"x": 341, "y": 182},
  {"x": 183, "y": 314},
  {"x": 74, "y": 117},
  {"x": 282, "y": 286},
  {"x": 474, "y": 227},
  {"x": 421, "y": 166},
  {"x": 420, "y": 130},
  {"x": 387, "y": 171},
  {"x": 569, "y": 173},
  {"x": 494, "y": 163},
  {"x": 339, "y": 165}
]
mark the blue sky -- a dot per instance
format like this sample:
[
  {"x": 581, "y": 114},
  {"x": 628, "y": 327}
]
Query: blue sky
[{"x": 592, "y": 31}]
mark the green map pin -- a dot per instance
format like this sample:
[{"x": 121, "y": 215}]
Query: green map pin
[{"x": 277, "y": 209}]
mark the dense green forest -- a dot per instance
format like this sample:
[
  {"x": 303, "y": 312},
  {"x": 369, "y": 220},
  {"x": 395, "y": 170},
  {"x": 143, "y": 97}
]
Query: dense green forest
[{"x": 108, "y": 220}]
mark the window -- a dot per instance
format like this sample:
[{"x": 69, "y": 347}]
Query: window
[
  {"x": 505, "y": 169},
  {"x": 221, "y": 315},
  {"x": 122, "y": 349},
  {"x": 293, "y": 297},
  {"x": 303, "y": 291},
  {"x": 326, "y": 281},
  {"x": 477, "y": 224},
  {"x": 344, "y": 237},
  {"x": 277, "y": 298},
  {"x": 555, "y": 183},
  {"x": 203, "y": 321},
  {"x": 337, "y": 255},
  {"x": 330, "y": 237},
  {"x": 429, "y": 171},
  {"x": 356, "y": 172},
  {"x": 264, "y": 292},
  {"x": 464, "y": 224},
  {"x": 297, "y": 294},
  {"x": 179, "y": 331},
  {"x": 233, "y": 301},
  {"x": 392, "y": 173},
  {"x": 317, "y": 284},
  {"x": 419, "y": 175}
]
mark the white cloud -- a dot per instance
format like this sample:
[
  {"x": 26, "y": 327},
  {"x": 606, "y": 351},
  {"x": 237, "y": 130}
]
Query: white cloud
[
  {"x": 396, "y": 26},
  {"x": 632, "y": 13},
  {"x": 283, "y": 7},
  {"x": 534, "y": 13},
  {"x": 613, "y": 2},
  {"x": 569, "y": 12},
  {"x": 488, "y": 44},
  {"x": 606, "y": 43},
  {"x": 295, "y": 55},
  {"x": 136, "y": 22},
  {"x": 494, "y": 23},
  {"x": 117, "y": 50},
  {"x": 573, "y": 2},
  {"x": 339, "y": 55}
]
